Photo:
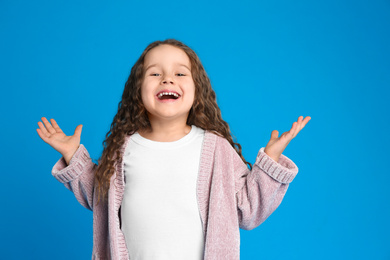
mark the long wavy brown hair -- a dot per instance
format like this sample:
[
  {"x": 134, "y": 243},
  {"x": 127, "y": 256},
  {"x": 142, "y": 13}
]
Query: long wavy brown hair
[{"x": 132, "y": 115}]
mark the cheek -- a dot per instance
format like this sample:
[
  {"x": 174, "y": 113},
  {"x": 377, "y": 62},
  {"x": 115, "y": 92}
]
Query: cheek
[
  {"x": 193, "y": 89},
  {"x": 191, "y": 96},
  {"x": 145, "y": 94}
]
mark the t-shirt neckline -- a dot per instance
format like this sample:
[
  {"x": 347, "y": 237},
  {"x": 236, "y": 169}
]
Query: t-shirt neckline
[{"x": 137, "y": 138}]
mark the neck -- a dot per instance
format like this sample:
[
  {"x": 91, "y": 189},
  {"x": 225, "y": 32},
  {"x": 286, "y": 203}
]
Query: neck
[{"x": 163, "y": 131}]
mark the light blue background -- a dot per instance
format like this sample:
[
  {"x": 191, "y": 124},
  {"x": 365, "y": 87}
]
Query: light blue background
[{"x": 269, "y": 62}]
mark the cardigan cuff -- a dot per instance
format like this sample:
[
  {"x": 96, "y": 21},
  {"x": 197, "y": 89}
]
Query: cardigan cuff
[
  {"x": 282, "y": 171},
  {"x": 67, "y": 173}
]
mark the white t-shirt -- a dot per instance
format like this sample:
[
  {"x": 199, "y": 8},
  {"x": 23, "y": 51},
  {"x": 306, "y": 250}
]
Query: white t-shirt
[{"x": 159, "y": 213}]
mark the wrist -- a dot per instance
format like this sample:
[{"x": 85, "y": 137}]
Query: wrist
[
  {"x": 67, "y": 159},
  {"x": 69, "y": 156},
  {"x": 273, "y": 157}
]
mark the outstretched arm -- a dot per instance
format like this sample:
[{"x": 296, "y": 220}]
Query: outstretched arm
[
  {"x": 260, "y": 191},
  {"x": 75, "y": 169},
  {"x": 78, "y": 176}
]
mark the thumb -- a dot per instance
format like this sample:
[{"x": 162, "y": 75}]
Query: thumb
[
  {"x": 274, "y": 134},
  {"x": 77, "y": 131}
]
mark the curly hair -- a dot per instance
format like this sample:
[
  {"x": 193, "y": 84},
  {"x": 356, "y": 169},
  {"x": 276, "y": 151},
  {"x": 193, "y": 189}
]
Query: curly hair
[{"x": 132, "y": 115}]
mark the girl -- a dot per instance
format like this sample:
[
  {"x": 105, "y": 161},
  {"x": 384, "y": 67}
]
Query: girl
[{"x": 171, "y": 182}]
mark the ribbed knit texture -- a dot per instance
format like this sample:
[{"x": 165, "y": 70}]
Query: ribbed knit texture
[{"x": 229, "y": 196}]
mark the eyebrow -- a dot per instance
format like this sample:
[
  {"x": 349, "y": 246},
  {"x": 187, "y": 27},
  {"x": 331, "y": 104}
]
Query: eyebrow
[{"x": 155, "y": 65}]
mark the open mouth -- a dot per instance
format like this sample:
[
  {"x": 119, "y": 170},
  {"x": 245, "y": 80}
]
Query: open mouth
[{"x": 168, "y": 95}]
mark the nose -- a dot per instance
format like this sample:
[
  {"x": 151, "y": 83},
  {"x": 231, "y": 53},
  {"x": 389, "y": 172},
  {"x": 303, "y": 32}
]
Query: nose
[{"x": 167, "y": 80}]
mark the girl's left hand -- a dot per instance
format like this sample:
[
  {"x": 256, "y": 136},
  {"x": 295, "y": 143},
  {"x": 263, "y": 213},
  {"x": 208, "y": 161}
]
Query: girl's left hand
[{"x": 276, "y": 145}]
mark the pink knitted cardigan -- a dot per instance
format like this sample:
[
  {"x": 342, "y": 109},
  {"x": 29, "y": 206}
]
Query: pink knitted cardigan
[{"x": 230, "y": 196}]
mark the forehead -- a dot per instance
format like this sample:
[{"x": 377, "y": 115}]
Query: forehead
[{"x": 166, "y": 54}]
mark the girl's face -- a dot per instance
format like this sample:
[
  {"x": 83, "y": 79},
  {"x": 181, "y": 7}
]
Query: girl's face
[{"x": 168, "y": 89}]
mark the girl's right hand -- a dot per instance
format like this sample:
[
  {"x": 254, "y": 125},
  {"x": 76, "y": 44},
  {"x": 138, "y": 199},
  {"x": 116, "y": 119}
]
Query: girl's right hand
[{"x": 53, "y": 135}]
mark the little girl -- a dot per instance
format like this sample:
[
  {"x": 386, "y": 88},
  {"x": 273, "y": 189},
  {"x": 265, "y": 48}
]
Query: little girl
[{"x": 171, "y": 183}]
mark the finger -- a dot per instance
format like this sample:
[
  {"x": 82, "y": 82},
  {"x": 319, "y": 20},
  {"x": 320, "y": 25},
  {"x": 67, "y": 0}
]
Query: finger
[
  {"x": 48, "y": 126},
  {"x": 274, "y": 134},
  {"x": 55, "y": 126},
  {"x": 303, "y": 123},
  {"x": 43, "y": 129},
  {"x": 292, "y": 130},
  {"x": 77, "y": 131},
  {"x": 42, "y": 135},
  {"x": 299, "y": 124}
]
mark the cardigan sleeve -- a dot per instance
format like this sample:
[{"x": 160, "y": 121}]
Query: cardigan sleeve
[
  {"x": 78, "y": 176},
  {"x": 260, "y": 191}
]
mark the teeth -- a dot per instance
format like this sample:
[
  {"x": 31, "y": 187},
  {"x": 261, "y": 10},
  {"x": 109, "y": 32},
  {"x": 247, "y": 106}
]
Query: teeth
[{"x": 168, "y": 93}]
